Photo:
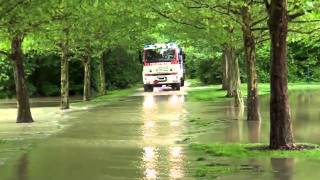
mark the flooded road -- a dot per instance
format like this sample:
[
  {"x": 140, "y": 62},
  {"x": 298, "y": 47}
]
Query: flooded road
[
  {"x": 146, "y": 136},
  {"x": 131, "y": 139}
]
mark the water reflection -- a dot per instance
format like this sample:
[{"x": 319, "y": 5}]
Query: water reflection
[
  {"x": 176, "y": 162},
  {"x": 22, "y": 168},
  {"x": 283, "y": 168},
  {"x": 235, "y": 115},
  {"x": 254, "y": 128},
  {"x": 150, "y": 159},
  {"x": 163, "y": 125}
]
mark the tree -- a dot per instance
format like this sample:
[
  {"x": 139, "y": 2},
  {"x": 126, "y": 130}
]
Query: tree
[
  {"x": 20, "y": 19},
  {"x": 281, "y": 134}
]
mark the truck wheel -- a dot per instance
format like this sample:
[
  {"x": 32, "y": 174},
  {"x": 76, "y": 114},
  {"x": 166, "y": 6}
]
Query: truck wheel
[
  {"x": 148, "y": 88},
  {"x": 145, "y": 88},
  {"x": 182, "y": 82},
  {"x": 178, "y": 87}
]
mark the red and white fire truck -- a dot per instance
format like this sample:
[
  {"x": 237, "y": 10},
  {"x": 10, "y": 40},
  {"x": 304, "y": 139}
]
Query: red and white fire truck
[{"x": 163, "y": 66}]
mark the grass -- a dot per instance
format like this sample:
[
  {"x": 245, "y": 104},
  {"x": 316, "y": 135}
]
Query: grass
[
  {"x": 214, "y": 92},
  {"x": 252, "y": 150},
  {"x": 213, "y": 171},
  {"x": 209, "y": 168},
  {"x": 111, "y": 97}
]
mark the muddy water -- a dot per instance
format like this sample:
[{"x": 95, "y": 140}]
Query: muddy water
[{"x": 143, "y": 138}]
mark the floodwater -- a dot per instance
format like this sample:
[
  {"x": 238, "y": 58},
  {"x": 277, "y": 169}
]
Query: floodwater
[
  {"x": 37, "y": 102},
  {"x": 146, "y": 137},
  {"x": 226, "y": 124}
]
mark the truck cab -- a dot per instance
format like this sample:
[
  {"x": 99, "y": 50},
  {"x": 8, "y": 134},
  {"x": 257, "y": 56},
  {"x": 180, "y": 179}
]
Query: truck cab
[{"x": 163, "y": 65}]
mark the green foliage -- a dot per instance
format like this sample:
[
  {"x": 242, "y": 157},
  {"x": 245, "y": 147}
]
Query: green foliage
[
  {"x": 6, "y": 77},
  {"x": 209, "y": 71},
  {"x": 123, "y": 69},
  {"x": 200, "y": 26}
]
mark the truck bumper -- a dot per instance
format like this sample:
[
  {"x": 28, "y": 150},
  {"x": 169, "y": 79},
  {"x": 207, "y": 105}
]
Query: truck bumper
[{"x": 158, "y": 81}]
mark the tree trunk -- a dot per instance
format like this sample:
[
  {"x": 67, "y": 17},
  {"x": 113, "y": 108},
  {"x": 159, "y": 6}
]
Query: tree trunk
[
  {"x": 87, "y": 77},
  {"x": 238, "y": 100},
  {"x": 233, "y": 75},
  {"x": 224, "y": 70},
  {"x": 281, "y": 135},
  {"x": 102, "y": 88},
  {"x": 253, "y": 113},
  {"x": 24, "y": 113},
  {"x": 64, "y": 77}
]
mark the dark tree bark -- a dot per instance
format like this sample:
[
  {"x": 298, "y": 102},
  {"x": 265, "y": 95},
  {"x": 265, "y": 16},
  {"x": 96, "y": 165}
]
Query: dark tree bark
[
  {"x": 24, "y": 113},
  {"x": 281, "y": 135},
  {"x": 87, "y": 76},
  {"x": 64, "y": 104},
  {"x": 253, "y": 113},
  {"x": 102, "y": 76}
]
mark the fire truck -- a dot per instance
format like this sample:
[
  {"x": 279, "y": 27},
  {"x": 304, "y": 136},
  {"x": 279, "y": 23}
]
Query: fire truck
[{"x": 163, "y": 65}]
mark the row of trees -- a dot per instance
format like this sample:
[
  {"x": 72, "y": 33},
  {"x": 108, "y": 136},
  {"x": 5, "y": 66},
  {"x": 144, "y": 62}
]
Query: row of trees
[
  {"x": 89, "y": 28},
  {"x": 230, "y": 23},
  {"x": 78, "y": 28}
]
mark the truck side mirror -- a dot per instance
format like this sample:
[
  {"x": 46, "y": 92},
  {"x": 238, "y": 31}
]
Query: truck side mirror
[
  {"x": 184, "y": 57},
  {"x": 141, "y": 57}
]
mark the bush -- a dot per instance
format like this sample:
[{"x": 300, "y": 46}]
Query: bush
[
  {"x": 48, "y": 89},
  {"x": 123, "y": 68},
  {"x": 209, "y": 71}
]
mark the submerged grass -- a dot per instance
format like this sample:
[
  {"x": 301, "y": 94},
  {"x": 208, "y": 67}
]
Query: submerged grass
[{"x": 214, "y": 92}]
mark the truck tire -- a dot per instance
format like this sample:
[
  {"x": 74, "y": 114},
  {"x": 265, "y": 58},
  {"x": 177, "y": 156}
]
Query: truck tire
[
  {"x": 176, "y": 87},
  {"x": 148, "y": 88},
  {"x": 182, "y": 82}
]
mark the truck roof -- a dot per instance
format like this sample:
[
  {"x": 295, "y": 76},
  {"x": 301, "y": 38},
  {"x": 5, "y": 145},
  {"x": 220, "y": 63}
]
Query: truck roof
[{"x": 157, "y": 46}]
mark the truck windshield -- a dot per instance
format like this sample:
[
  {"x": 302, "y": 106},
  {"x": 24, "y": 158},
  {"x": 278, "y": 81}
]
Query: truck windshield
[{"x": 160, "y": 55}]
